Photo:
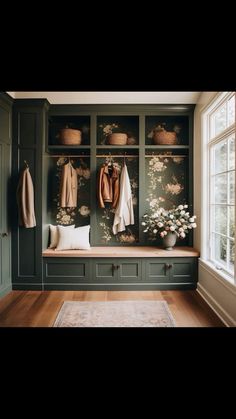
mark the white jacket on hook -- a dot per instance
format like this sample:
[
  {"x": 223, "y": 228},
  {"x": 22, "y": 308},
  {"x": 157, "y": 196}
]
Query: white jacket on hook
[{"x": 124, "y": 214}]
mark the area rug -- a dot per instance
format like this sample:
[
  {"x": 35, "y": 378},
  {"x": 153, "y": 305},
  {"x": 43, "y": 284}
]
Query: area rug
[{"x": 114, "y": 314}]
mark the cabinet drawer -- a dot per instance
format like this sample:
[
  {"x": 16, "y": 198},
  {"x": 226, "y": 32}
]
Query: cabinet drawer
[{"x": 66, "y": 270}]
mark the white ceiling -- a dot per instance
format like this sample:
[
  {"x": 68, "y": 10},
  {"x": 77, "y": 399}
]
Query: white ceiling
[{"x": 111, "y": 97}]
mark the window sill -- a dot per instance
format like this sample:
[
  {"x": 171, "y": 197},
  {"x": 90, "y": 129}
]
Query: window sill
[{"x": 221, "y": 276}]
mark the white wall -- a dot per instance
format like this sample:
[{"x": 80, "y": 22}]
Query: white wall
[{"x": 219, "y": 294}]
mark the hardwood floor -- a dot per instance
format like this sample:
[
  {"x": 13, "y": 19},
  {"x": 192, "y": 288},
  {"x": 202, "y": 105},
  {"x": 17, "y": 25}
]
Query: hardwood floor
[{"x": 40, "y": 308}]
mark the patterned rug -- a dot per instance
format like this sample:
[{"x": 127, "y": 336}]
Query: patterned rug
[{"x": 114, "y": 314}]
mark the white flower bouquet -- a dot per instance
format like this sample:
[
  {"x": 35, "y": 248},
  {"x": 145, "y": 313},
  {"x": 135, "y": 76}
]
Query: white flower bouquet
[{"x": 176, "y": 220}]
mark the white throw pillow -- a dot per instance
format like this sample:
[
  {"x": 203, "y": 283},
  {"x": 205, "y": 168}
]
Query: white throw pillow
[
  {"x": 77, "y": 238},
  {"x": 54, "y": 235}
]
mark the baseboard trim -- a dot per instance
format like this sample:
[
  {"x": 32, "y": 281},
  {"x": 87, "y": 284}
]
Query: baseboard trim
[
  {"x": 5, "y": 291},
  {"x": 27, "y": 287},
  {"x": 216, "y": 307}
]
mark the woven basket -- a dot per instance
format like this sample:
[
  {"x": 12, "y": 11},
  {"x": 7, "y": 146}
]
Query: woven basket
[
  {"x": 165, "y": 137},
  {"x": 69, "y": 136},
  {"x": 117, "y": 139}
]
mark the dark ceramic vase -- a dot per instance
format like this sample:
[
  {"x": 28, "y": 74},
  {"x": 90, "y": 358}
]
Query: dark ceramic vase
[{"x": 169, "y": 240}]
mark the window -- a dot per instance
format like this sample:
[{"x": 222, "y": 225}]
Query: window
[{"x": 219, "y": 142}]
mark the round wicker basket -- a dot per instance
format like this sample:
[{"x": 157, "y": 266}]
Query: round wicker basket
[
  {"x": 117, "y": 139},
  {"x": 69, "y": 136},
  {"x": 165, "y": 137}
]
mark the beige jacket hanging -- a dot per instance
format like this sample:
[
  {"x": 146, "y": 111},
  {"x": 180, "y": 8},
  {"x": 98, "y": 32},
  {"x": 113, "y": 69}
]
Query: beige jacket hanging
[
  {"x": 25, "y": 200},
  {"x": 124, "y": 214},
  {"x": 68, "y": 186}
]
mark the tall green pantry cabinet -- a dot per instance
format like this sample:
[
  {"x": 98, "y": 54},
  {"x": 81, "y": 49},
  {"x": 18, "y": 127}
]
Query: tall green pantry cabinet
[
  {"x": 5, "y": 176},
  {"x": 29, "y": 130}
]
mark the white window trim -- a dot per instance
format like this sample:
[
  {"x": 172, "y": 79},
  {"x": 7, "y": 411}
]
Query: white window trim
[{"x": 206, "y": 112}]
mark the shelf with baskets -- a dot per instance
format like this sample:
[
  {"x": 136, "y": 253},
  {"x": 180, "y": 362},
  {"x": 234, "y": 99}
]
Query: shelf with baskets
[
  {"x": 69, "y": 131},
  {"x": 167, "y": 130},
  {"x": 117, "y": 130}
]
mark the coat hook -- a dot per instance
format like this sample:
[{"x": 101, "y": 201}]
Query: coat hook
[{"x": 26, "y": 163}]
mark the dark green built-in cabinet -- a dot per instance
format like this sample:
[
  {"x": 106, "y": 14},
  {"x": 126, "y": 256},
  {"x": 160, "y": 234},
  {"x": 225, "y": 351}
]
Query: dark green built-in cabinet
[
  {"x": 155, "y": 170},
  {"x": 5, "y": 192},
  {"x": 29, "y": 130}
]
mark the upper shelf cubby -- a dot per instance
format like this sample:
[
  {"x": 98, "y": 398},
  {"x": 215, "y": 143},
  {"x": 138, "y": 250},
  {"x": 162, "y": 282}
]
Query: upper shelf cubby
[
  {"x": 118, "y": 130},
  {"x": 167, "y": 130},
  {"x": 69, "y": 130}
]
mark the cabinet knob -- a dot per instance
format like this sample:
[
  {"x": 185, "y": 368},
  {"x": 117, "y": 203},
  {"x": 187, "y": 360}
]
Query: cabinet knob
[
  {"x": 168, "y": 265},
  {"x": 4, "y": 234},
  {"x": 114, "y": 267}
]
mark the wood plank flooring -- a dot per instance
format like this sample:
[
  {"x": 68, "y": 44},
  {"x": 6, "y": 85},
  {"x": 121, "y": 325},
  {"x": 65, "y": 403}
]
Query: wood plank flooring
[{"x": 40, "y": 308}]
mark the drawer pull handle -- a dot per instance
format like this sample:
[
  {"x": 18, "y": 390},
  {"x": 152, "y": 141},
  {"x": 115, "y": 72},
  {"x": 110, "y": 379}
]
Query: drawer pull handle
[
  {"x": 4, "y": 234},
  {"x": 169, "y": 265},
  {"x": 114, "y": 267}
]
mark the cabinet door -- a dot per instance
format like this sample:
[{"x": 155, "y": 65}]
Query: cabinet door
[
  {"x": 157, "y": 270},
  {"x": 5, "y": 242},
  {"x": 129, "y": 270},
  {"x": 105, "y": 270},
  {"x": 117, "y": 270},
  {"x": 29, "y": 130},
  {"x": 66, "y": 270},
  {"x": 183, "y": 270},
  {"x": 5, "y": 193}
]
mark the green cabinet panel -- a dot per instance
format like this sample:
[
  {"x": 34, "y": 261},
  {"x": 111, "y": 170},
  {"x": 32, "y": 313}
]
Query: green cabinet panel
[
  {"x": 105, "y": 270},
  {"x": 5, "y": 194},
  {"x": 29, "y": 130},
  {"x": 156, "y": 271},
  {"x": 129, "y": 270},
  {"x": 183, "y": 270},
  {"x": 117, "y": 270},
  {"x": 172, "y": 270},
  {"x": 64, "y": 270}
]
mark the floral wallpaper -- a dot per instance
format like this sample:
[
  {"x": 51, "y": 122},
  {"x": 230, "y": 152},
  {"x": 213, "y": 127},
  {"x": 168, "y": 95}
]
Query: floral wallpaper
[
  {"x": 165, "y": 181},
  {"x": 105, "y": 216},
  {"x": 166, "y": 184},
  {"x": 79, "y": 215}
]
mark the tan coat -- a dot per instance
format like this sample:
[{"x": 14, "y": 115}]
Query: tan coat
[
  {"x": 25, "y": 200},
  {"x": 68, "y": 186},
  {"x": 108, "y": 186}
]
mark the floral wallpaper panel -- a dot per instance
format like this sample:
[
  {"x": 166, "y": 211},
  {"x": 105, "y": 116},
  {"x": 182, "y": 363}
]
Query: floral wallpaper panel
[
  {"x": 105, "y": 216},
  {"x": 79, "y": 215},
  {"x": 166, "y": 182}
]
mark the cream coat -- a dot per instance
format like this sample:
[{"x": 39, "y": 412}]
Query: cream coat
[
  {"x": 124, "y": 214},
  {"x": 68, "y": 186},
  {"x": 25, "y": 200}
]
